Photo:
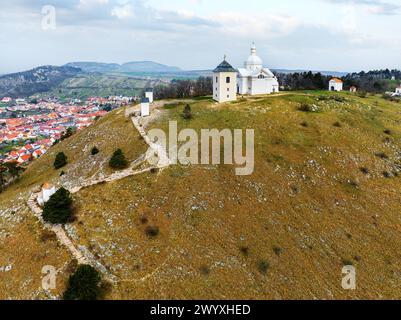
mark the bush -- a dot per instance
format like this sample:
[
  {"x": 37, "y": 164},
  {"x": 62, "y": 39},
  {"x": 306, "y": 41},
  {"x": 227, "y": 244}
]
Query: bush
[
  {"x": 277, "y": 250},
  {"x": 244, "y": 251},
  {"x": 152, "y": 231},
  {"x": 204, "y": 270},
  {"x": 364, "y": 170},
  {"x": 388, "y": 132},
  {"x": 381, "y": 155},
  {"x": 94, "y": 151},
  {"x": 263, "y": 266},
  {"x": 58, "y": 209},
  {"x": 304, "y": 107},
  {"x": 187, "y": 115},
  {"x": 60, "y": 161},
  {"x": 304, "y": 124},
  {"x": 337, "y": 124},
  {"x": 118, "y": 160},
  {"x": 84, "y": 284}
]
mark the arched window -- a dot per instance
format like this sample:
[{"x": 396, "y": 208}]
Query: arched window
[{"x": 261, "y": 76}]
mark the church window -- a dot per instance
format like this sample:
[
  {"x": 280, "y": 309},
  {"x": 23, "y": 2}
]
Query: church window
[
  {"x": 228, "y": 80},
  {"x": 261, "y": 76},
  {"x": 228, "y": 89},
  {"x": 217, "y": 79}
]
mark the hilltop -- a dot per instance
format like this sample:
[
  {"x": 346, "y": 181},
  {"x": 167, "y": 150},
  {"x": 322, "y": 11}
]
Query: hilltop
[
  {"x": 133, "y": 66},
  {"x": 324, "y": 194},
  {"x": 40, "y": 79}
]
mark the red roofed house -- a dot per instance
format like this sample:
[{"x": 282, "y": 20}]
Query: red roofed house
[
  {"x": 336, "y": 84},
  {"x": 24, "y": 158}
]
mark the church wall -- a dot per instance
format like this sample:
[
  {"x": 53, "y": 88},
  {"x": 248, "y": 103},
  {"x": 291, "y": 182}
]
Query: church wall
[
  {"x": 243, "y": 85},
  {"x": 223, "y": 91}
]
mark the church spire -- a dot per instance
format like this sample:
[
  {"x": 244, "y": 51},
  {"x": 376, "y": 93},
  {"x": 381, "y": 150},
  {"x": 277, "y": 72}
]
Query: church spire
[{"x": 253, "y": 49}]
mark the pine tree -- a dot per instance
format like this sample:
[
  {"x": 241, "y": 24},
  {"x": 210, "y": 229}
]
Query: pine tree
[
  {"x": 187, "y": 112},
  {"x": 60, "y": 161},
  {"x": 58, "y": 209},
  {"x": 118, "y": 160},
  {"x": 84, "y": 284},
  {"x": 94, "y": 151}
]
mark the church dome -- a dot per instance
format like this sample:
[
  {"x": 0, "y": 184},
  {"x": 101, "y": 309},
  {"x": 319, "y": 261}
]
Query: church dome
[{"x": 253, "y": 62}]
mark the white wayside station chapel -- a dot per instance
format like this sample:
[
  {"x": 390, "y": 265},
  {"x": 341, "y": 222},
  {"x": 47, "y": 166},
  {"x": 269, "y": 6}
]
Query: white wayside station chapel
[
  {"x": 145, "y": 107},
  {"x": 224, "y": 82},
  {"x": 253, "y": 79},
  {"x": 149, "y": 94}
]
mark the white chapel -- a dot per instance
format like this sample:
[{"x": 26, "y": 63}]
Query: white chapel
[{"x": 254, "y": 79}]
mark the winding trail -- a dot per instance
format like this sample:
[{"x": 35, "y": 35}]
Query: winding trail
[{"x": 80, "y": 253}]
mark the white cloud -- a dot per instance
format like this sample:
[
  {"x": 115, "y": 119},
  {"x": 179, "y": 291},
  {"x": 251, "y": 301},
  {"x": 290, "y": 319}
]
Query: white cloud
[
  {"x": 259, "y": 26},
  {"x": 123, "y": 12}
]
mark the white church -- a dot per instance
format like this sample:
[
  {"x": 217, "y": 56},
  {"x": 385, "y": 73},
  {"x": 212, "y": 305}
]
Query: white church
[{"x": 253, "y": 79}]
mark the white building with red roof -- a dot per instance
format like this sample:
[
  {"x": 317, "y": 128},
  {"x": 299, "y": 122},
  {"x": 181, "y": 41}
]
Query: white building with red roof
[{"x": 336, "y": 84}]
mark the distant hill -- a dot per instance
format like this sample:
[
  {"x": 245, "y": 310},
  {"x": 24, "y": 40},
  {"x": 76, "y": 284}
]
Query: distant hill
[
  {"x": 95, "y": 66},
  {"x": 134, "y": 66},
  {"x": 41, "y": 79},
  {"x": 325, "y": 73}
]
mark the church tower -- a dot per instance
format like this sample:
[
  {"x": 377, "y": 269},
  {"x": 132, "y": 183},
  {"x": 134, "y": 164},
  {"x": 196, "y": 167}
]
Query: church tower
[{"x": 224, "y": 82}]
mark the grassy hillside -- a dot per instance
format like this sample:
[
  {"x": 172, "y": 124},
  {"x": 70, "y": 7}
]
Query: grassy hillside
[{"x": 324, "y": 194}]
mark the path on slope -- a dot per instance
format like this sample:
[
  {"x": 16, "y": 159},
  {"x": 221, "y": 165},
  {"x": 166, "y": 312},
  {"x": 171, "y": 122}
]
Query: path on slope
[{"x": 84, "y": 256}]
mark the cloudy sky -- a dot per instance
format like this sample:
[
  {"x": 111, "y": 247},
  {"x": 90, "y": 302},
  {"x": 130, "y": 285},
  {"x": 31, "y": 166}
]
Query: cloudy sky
[{"x": 341, "y": 35}]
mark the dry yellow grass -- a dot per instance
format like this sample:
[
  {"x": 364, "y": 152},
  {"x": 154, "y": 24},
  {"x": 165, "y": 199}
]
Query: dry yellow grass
[{"x": 305, "y": 212}]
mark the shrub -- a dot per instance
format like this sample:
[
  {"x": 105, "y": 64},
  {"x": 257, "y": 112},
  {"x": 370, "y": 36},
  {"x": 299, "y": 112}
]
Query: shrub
[
  {"x": 381, "y": 155},
  {"x": 118, "y": 160},
  {"x": 60, "y": 161},
  {"x": 244, "y": 251},
  {"x": 152, "y": 231},
  {"x": 263, "y": 266},
  {"x": 204, "y": 270},
  {"x": 388, "y": 132},
  {"x": 187, "y": 114},
  {"x": 304, "y": 107},
  {"x": 386, "y": 174},
  {"x": 277, "y": 251},
  {"x": 68, "y": 133},
  {"x": 337, "y": 124},
  {"x": 304, "y": 124},
  {"x": 84, "y": 284},
  {"x": 58, "y": 209},
  {"x": 364, "y": 170},
  {"x": 94, "y": 151}
]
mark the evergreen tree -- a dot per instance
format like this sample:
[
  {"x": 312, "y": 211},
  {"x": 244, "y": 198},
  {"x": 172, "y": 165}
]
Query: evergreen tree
[
  {"x": 187, "y": 112},
  {"x": 94, "y": 151},
  {"x": 58, "y": 209},
  {"x": 60, "y": 161},
  {"x": 84, "y": 284},
  {"x": 118, "y": 160},
  {"x": 13, "y": 169}
]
